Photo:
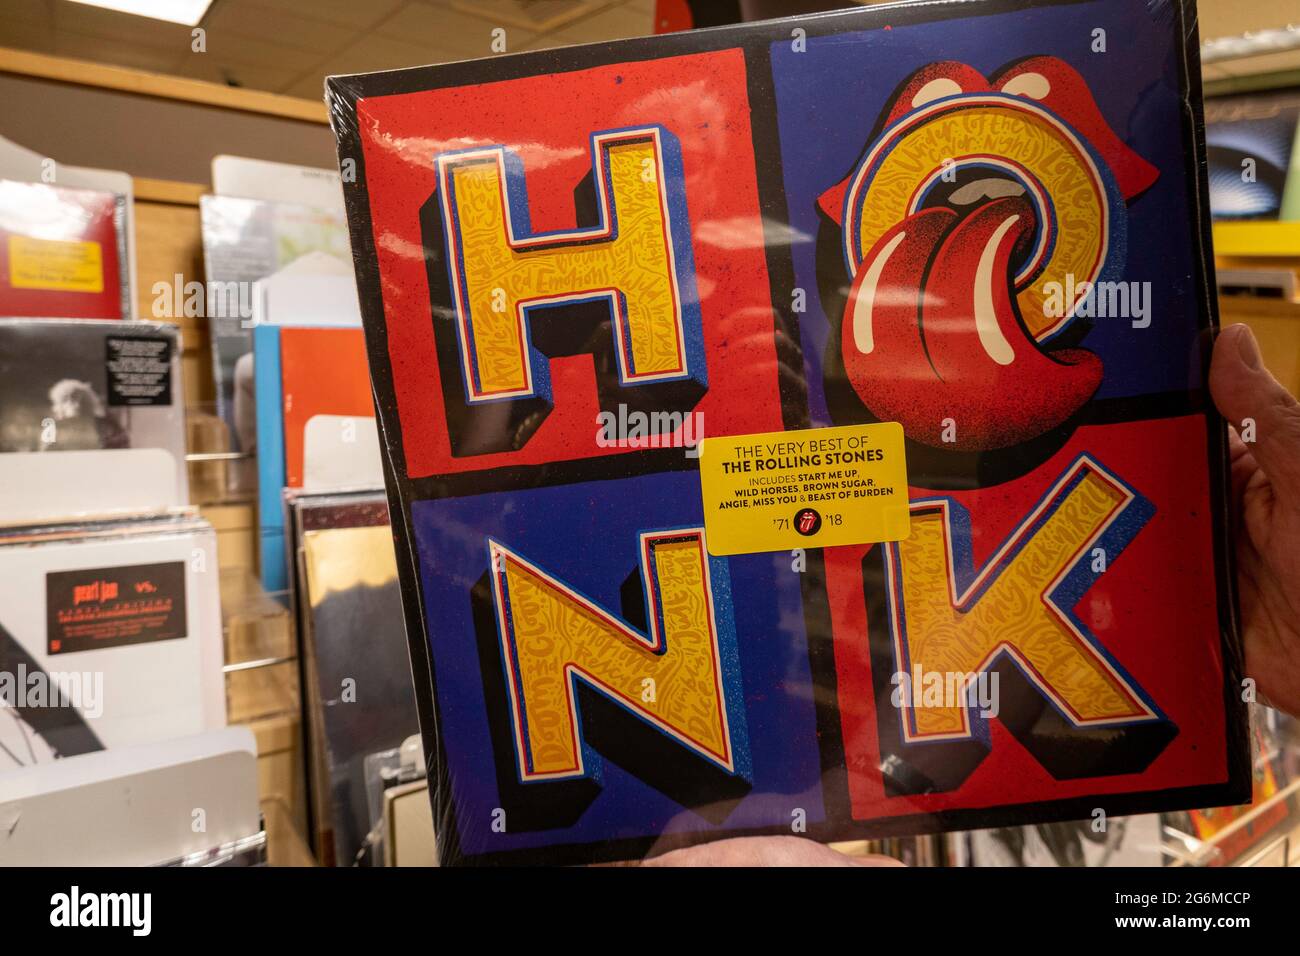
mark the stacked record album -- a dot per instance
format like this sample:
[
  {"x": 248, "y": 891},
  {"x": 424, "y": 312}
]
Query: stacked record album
[
  {"x": 360, "y": 702},
  {"x": 245, "y": 240},
  {"x": 315, "y": 432},
  {"x": 110, "y": 618}
]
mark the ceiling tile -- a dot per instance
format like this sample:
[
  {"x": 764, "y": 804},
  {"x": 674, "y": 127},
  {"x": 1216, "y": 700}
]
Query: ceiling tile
[
  {"x": 100, "y": 50},
  {"x": 615, "y": 23},
  {"x": 355, "y": 14},
  {"x": 250, "y": 76},
  {"x": 374, "y": 53},
  {"x": 534, "y": 16},
  {"x": 297, "y": 28},
  {"x": 310, "y": 87},
  {"x": 452, "y": 34},
  {"x": 246, "y": 51},
  {"x": 37, "y": 11},
  {"x": 545, "y": 41},
  {"x": 30, "y": 35},
  {"x": 122, "y": 27}
]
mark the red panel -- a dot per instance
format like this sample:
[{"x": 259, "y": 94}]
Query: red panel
[
  {"x": 1154, "y": 611},
  {"x": 323, "y": 372},
  {"x": 548, "y": 121}
]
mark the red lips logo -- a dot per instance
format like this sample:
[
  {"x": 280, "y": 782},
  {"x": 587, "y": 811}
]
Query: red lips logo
[{"x": 976, "y": 205}]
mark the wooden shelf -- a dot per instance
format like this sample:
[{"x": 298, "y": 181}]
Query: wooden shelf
[
  {"x": 168, "y": 191},
  {"x": 144, "y": 83}
]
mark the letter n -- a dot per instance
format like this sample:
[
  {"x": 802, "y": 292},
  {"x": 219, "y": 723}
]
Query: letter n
[
  {"x": 575, "y": 676},
  {"x": 505, "y": 299},
  {"x": 1061, "y": 694}
]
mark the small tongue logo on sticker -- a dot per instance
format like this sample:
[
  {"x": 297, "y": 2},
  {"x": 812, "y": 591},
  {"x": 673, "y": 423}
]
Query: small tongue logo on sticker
[{"x": 807, "y": 522}]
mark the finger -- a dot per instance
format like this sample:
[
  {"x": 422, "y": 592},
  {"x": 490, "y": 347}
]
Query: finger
[
  {"x": 764, "y": 851},
  {"x": 1246, "y": 393},
  {"x": 1236, "y": 447},
  {"x": 1242, "y": 464}
]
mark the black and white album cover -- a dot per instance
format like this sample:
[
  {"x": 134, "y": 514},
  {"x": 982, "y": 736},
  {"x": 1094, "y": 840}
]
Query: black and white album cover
[
  {"x": 1122, "y": 841},
  {"x": 83, "y": 385}
]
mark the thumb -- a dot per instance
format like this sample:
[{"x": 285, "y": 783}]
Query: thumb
[{"x": 1244, "y": 392}]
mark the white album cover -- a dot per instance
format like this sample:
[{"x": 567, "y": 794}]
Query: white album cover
[{"x": 110, "y": 635}]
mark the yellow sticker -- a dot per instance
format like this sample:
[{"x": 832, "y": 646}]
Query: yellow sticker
[
  {"x": 807, "y": 489},
  {"x": 55, "y": 264}
]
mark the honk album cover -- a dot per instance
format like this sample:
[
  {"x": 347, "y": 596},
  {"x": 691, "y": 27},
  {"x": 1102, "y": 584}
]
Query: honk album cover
[{"x": 801, "y": 427}]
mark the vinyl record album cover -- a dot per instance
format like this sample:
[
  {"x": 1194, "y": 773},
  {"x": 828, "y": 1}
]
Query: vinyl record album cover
[
  {"x": 110, "y": 634},
  {"x": 245, "y": 240},
  {"x": 1126, "y": 841},
  {"x": 1250, "y": 143},
  {"x": 801, "y": 427},
  {"x": 361, "y": 694},
  {"x": 62, "y": 252},
  {"x": 82, "y": 386},
  {"x": 1267, "y": 812},
  {"x": 345, "y": 392},
  {"x": 294, "y": 396}
]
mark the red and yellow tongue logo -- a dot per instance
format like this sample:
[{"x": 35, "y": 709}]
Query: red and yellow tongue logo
[{"x": 977, "y": 206}]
